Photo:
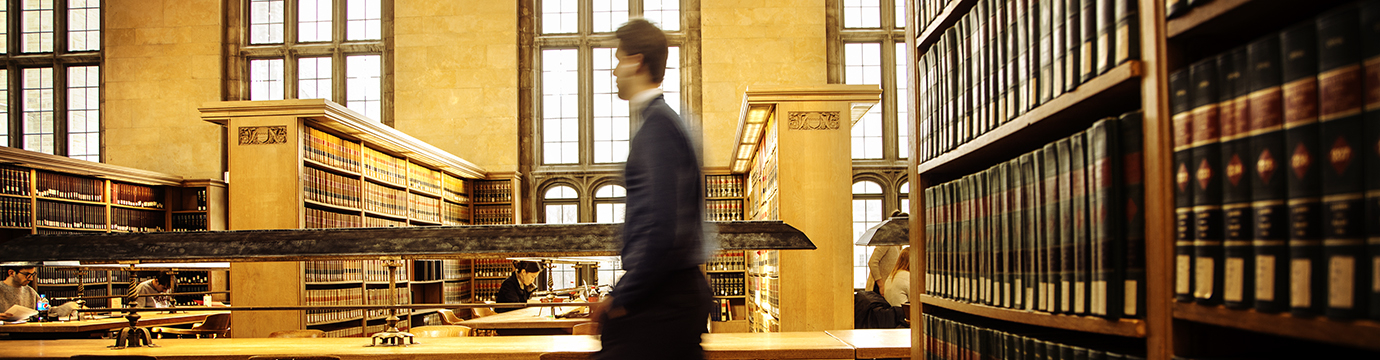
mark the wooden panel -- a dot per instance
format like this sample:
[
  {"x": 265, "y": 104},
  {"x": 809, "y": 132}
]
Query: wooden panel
[
  {"x": 147, "y": 319},
  {"x": 876, "y": 343},
  {"x": 1159, "y": 195},
  {"x": 1363, "y": 334},
  {"x": 1122, "y": 327}
]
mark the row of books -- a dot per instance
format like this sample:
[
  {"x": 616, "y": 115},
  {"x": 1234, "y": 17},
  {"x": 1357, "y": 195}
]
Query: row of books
[
  {"x": 493, "y": 267},
  {"x": 765, "y": 291},
  {"x": 69, "y": 187},
  {"x": 54, "y": 276},
  {"x": 1277, "y": 173},
  {"x": 952, "y": 340},
  {"x": 455, "y": 190},
  {"x": 726, "y": 284},
  {"x": 427, "y": 270},
  {"x": 349, "y": 270},
  {"x": 431, "y": 319},
  {"x": 424, "y": 208},
  {"x": 324, "y": 219},
  {"x": 493, "y": 215},
  {"x": 137, "y": 195},
  {"x": 723, "y": 186},
  {"x": 331, "y": 150},
  {"x": 456, "y": 292},
  {"x": 16, "y": 212},
  {"x": 346, "y": 296},
  {"x": 384, "y": 200},
  {"x": 14, "y": 181},
  {"x": 723, "y": 310},
  {"x": 345, "y": 332},
  {"x": 723, "y": 210},
  {"x": 424, "y": 179},
  {"x": 1003, "y": 59},
  {"x": 486, "y": 290},
  {"x": 328, "y": 188},
  {"x": 193, "y": 277},
  {"x": 400, "y": 296},
  {"x": 370, "y": 221},
  {"x": 188, "y": 222},
  {"x": 1057, "y": 230},
  {"x": 201, "y": 199},
  {"x": 726, "y": 260},
  {"x": 136, "y": 220},
  {"x": 66, "y": 293},
  {"x": 457, "y": 214},
  {"x": 190, "y": 300},
  {"x": 492, "y": 191},
  {"x": 385, "y": 167},
  {"x": 69, "y": 215}
]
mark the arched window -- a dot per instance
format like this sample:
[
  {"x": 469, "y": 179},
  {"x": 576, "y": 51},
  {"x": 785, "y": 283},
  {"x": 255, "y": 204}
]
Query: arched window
[
  {"x": 562, "y": 205},
  {"x": 609, "y": 202},
  {"x": 904, "y": 196},
  {"x": 867, "y": 212}
]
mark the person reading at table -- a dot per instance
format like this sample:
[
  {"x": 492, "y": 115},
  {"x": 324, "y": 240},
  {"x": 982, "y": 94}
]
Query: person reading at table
[
  {"x": 518, "y": 287},
  {"x": 158, "y": 284},
  {"x": 15, "y": 290}
]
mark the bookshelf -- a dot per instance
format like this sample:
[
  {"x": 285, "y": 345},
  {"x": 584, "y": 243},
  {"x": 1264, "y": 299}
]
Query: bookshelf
[
  {"x": 793, "y": 156},
  {"x": 315, "y": 164},
  {"x": 1166, "y": 328}
]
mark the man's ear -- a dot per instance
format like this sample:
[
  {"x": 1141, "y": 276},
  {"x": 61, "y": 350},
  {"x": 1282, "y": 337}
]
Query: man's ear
[{"x": 641, "y": 66}]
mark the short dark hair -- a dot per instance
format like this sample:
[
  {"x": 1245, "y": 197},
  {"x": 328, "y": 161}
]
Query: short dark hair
[
  {"x": 529, "y": 266},
  {"x": 6, "y": 269},
  {"x": 639, "y": 36}
]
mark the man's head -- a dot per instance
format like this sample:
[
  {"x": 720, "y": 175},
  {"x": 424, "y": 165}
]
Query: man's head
[
  {"x": 641, "y": 56},
  {"x": 161, "y": 281},
  {"x": 20, "y": 275}
]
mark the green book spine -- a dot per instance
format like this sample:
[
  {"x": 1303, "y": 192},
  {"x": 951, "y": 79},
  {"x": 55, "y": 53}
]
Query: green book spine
[
  {"x": 1080, "y": 247},
  {"x": 1127, "y": 31},
  {"x": 1005, "y": 60},
  {"x": 1182, "y": 118},
  {"x": 1104, "y": 209},
  {"x": 1370, "y": 39},
  {"x": 1045, "y": 79},
  {"x": 1340, "y": 102},
  {"x": 1298, "y": 45},
  {"x": 982, "y": 239},
  {"x": 1268, "y": 180},
  {"x": 1207, "y": 176},
  {"x": 1236, "y": 186},
  {"x": 1049, "y": 249},
  {"x": 1004, "y": 253},
  {"x": 1062, "y": 251},
  {"x": 1087, "y": 48},
  {"x": 1022, "y": 75},
  {"x": 1073, "y": 44},
  {"x": 1020, "y": 218},
  {"x": 1036, "y": 229},
  {"x": 1060, "y": 48},
  {"x": 1133, "y": 230},
  {"x": 1105, "y": 57}
]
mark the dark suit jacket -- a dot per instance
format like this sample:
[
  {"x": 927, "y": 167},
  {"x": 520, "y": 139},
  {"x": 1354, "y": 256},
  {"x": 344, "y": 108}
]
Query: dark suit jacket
[
  {"x": 512, "y": 292},
  {"x": 663, "y": 229}
]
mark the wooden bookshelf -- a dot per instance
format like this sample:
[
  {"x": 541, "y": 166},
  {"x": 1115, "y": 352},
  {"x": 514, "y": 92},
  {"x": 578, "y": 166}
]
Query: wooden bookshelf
[
  {"x": 1122, "y": 327},
  {"x": 1354, "y": 333},
  {"x": 314, "y": 163},
  {"x": 1218, "y": 16},
  {"x": 941, "y": 22}
]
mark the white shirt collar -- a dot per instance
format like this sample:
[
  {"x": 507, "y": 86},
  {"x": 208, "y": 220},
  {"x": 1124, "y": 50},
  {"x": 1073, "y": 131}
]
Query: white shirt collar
[{"x": 640, "y": 100}]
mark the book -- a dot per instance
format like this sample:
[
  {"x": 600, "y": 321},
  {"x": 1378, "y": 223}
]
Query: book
[
  {"x": 1024, "y": 84},
  {"x": 1183, "y": 191},
  {"x": 1127, "y": 37},
  {"x": 1370, "y": 48},
  {"x": 1079, "y": 223},
  {"x": 1046, "y": 79},
  {"x": 1020, "y": 231},
  {"x": 1073, "y": 44},
  {"x": 1035, "y": 261},
  {"x": 1206, "y": 179},
  {"x": 1063, "y": 248},
  {"x": 1049, "y": 244},
  {"x": 1132, "y": 153},
  {"x": 1298, "y": 47},
  {"x": 1105, "y": 56},
  {"x": 1268, "y": 179},
  {"x": 1339, "y": 117},
  {"x": 1106, "y": 248},
  {"x": 1088, "y": 17},
  {"x": 1059, "y": 19},
  {"x": 1236, "y": 190}
]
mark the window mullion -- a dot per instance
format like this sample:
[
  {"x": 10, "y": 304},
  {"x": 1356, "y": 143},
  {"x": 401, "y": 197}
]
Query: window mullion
[
  {"x": 59, "y": 28},
  {"x": 586, "y": 98},
  {"x": 338, "y": 77},
  {"x": 889, "y": 96},
  {"x": 59, "y": 108}
]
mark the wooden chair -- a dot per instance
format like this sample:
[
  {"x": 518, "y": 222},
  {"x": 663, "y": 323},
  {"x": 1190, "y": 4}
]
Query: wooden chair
[
  {"x": 566, "y": 356},
  {"x": 448, "y": 317},
  {"x": 216, "y": 325},
  {"x": 482, "y": 312},
  {"x": 112, "y": 357},
  {"x": 293, "y": 357},
  {"x": 434, "y": 331},
  {"x": 310, "y": 333},
  {"x": 588, "y": 328}
]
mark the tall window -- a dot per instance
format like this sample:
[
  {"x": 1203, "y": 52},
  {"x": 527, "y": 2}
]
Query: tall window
[
  {"x": 867, "y": 212},
  {"x": 609, "y": 203},
  {"x": 873, "y": 45},
  {"x": 903, "y": 197},
  {"x": 318, "y": 49},
  {"x": 562, "y": 205},
  {"x": 51, "y": 81},
  {"x": 582, "y": 123}
]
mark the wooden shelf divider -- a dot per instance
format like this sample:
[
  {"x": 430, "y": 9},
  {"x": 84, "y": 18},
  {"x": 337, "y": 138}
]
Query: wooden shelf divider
[
  {"x": 1056, "y": 113},
  {"x": 1357, "y": 333},
  {"x": 1200, "y": 15},
  {"x": 1122, "y": 327}
]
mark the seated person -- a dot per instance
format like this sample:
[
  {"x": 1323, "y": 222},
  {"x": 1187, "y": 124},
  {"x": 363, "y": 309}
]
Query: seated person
[
  {"x": 517, "y": 288},
  {"x": 14, "y": 290},
  {"x": 897, "y": 289},
  {"x": 158, "y": 284}
]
